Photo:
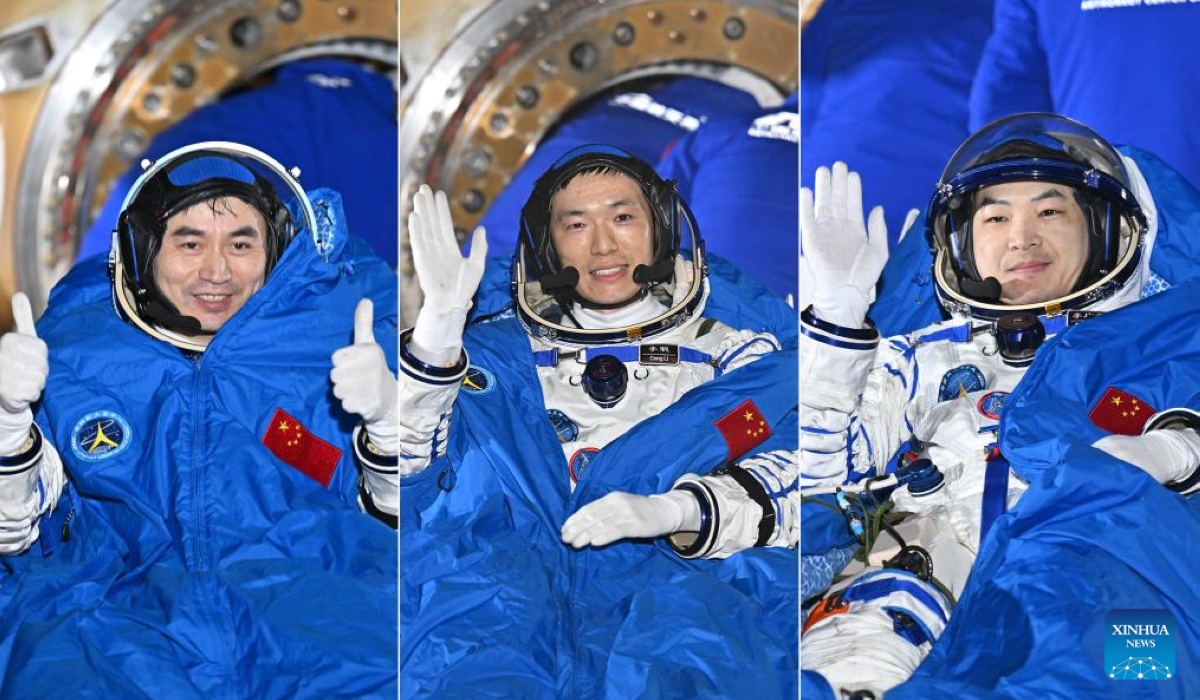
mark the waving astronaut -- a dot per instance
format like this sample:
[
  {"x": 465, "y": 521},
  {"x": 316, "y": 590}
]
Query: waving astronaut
[
  {"x": 612, "y": 312},
  {"x": 1036, "y": 224}
]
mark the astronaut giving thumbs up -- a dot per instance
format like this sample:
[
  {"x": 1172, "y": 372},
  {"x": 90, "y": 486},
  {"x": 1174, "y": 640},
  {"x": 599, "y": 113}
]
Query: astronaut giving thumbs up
[{"x": 24, "y": 367}]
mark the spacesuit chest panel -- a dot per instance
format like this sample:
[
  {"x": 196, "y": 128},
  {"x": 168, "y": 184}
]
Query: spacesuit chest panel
[
  {"x": 961, "y": 396},
  {"x": 584, "y": 426},
  {"x": 658, "y": 371}
]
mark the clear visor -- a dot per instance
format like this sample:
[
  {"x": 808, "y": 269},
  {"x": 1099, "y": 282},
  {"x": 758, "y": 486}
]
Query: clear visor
[{"x": 1068, "y": 138}]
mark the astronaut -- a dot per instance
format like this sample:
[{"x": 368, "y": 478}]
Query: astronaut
[
  {"x": 1036, "y": 224},
  {"x": 597, "y": 267},
  {"x": 607, "y": 328},
  {"x": 208, "y": 472}
]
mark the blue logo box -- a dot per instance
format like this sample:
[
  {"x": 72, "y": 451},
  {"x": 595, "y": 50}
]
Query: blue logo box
[{"x": 1139, "y": 645}]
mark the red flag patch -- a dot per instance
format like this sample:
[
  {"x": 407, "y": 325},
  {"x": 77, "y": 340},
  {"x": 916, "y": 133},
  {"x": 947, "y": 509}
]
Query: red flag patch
[
  {"x": 743, "y": 428},
  {"x": 290, "y": 441},
  {"x": 1121, "y": 412}
]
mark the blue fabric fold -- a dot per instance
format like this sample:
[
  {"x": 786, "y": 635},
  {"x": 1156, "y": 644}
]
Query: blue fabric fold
[{"x": 197, "y": 564}]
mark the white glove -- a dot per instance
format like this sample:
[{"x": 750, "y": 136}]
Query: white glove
[
  {"x": 909, "y": 220},
  {"x": 1166, "y": 455},
  {"x": 448, "y": 281},
  {"x": 841, "y": 259},
  {"x": 620, "y": 516},
  {"x": 364, "y": 384},
  {"x": 24, "y": 366}
]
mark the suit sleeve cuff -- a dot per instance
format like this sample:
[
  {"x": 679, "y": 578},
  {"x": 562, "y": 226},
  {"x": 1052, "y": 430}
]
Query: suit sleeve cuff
[
  {"x": 425, "y": 372},
  {"x": 838, "y": 336},
  {"x": 1178, "y": 419},
  {"x": 28, "y": 457}
]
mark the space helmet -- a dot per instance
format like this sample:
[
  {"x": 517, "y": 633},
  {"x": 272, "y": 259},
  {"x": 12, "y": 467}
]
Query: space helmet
[
  {"x": 1034, "y": 146},
  {"x": 544, "y": 290},
  {"x": 178, "y": 180}
]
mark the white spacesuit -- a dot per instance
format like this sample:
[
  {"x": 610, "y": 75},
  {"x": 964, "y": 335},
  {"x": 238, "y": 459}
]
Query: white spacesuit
[
  {"x": 623, "y": 343},
  {"x": 939, "y": 393}
]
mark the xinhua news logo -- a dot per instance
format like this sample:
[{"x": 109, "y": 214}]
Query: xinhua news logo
[{"x": 1139, "y": 645}]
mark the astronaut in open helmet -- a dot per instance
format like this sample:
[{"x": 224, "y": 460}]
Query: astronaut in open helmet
[
  {"x": 612, "y": 307},
  {"x": 984, "y": 268},
  {"x": 204, "y": 386},
  {"x": 600, "y": 250},
  {"x": 197, "y": 236},
  {"x": 1036, "y": 215}
]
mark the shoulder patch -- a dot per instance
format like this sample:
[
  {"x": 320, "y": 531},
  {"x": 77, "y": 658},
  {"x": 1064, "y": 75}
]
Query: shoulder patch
[
  {"x": 1121, "y": 412},
  {"x": 478, "y": 380},
  {"x": 961, "y": 380},
  {"x": 743, "y": 428},
  {"x": 100, "y": 435},
  {"x": 991, "y": 404},
  {"x": 295, "y": 445}
]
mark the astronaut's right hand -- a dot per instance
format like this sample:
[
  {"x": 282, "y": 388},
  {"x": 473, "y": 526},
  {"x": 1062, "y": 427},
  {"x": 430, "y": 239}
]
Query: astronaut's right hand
[
  {"x": 448, "y": 280},
  {"x": 841, "y": 258},
  {"x": 24, "y": 366}
]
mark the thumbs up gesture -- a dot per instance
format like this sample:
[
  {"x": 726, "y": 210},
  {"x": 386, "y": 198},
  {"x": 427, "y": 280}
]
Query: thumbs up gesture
[
  {"x": 24, "y": 365},
  {"x": 364, "y": 384}
]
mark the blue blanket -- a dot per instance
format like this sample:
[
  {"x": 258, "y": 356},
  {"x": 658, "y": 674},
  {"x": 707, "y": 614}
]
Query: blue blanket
[
  {"x": 187, "y": 558},
  {"x": 1091, "y": 536}
]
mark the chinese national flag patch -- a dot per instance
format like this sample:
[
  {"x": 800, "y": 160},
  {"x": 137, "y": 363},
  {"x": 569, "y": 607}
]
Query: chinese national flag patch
[
  {"x": 743, "y": 429},
  {"x": 1121, "y": 412},
  {"x": 290, "y": 441}
]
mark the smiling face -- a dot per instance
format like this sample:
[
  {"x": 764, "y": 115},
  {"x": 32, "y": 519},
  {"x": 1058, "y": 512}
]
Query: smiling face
[
  {"x": 212, "y": 259},
  {"x": 1032, "y": 237},
  {"x": 601, "y": 225}
]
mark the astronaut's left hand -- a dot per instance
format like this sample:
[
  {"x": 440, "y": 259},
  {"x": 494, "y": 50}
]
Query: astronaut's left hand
[
  {"x": 1169, "y": 456},
  {"x": 841, "y": 255},
  {"x": 364, "y": 384},
  {"x": 24, "y": 367},
  {"x": 620, "y": 516}
]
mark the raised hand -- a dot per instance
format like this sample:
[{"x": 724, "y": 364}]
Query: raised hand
[
  {"x": 448, "y": 280},
  {"x": 841, "y": 257}
]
